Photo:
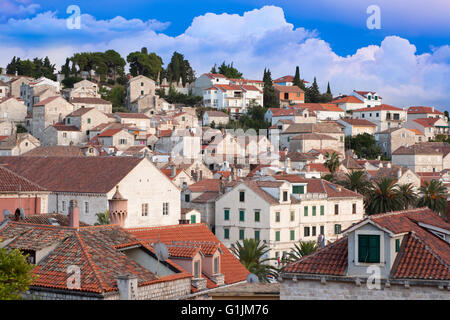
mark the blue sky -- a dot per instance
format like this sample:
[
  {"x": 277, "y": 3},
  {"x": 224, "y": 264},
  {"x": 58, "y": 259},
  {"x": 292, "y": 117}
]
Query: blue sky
[{"x": 407, "y": 60}]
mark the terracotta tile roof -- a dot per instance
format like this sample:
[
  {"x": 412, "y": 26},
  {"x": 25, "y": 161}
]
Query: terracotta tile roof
[
  {"x": 284, "y": 79},
  {"x": 109, "y": 132},
  {"x": 417, "y": 132},
  {"x": 215, "y": 75},
  {"x": 93, "y": 249},
  {"x": 364, "y": 93},
  {"x": 73, "y": 174},
  {"x": 164, "y": 133},
  {"x": 426, "y": 122},
  {"x": 420, "y": 110},
  {"x": 90, "y": 100},
  {"x": 55, "y": 151},
  {"x": 330, "y": 260},
  {"x": 46, "y": 101},
  {"x": 62, "y": 127},
  {"x": 50, "y": 219},
  {"x": 3, "y": 137},
  {"x": 381, "y": 107},
  {"x": 205, "y": 185},
  {"x": 212, "y": 113},
  {"x": 230, "y": 266},
  {"x": 313, "y": 127},
  {"x": 131, "y": 115},
  {"x": 416, "y": 149},
  {"x": 350, "y": 163},
  {"x": 293, "y": 89},
  {"x": 12, "y": 182},
  {"x": 359, "y": 122},
  {"x": 316, "y": 167},
  {"x": 206, "y": 197},
  {"x": 79, "y": 112},
  {"x": 312, "y": 136},
  {"x": 297, "y": 156},
  {"x": 227, "y": 87},
  {"x": 168, "y": 173},
  {"x": 347, "y": 99},
  {"x": 279, "y": 112}
]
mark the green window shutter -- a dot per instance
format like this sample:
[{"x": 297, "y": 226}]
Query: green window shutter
[
  {"x": 241, "y": 215},
  {"x": 306, "y": 211},
  {"x": 363, "y": 248},
  {"x": 277, "y": 236},
  {"x": 322, "y": 210},
  {"x": 397, "y": 245},
  {"x": 257, "y": 216},
  {"x": 302, "y": 189},
  {"x": 337, "y": 229},
  {"x": 314, "y": 210},
  {"x": 289, "y": 139},
  {"x": 257, "y": 235},
  {"x": 227, "y": 214},
  {"x": 374, "y": 249},
  {"x": 193, "y": 219},
  {"x": 241, "y": 234},
  {"x": 277, "y": 217},
  {"x": 369, "y": 248},
  {"x": 292, "y": 234},
  {"x": 298, "y": 189},
  {"x": 226, "y": 233}
]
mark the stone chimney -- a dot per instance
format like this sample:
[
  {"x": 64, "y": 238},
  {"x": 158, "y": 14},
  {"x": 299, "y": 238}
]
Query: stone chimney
[
  {"x": 128, "y": 287},
  {"x": 221, "y": 186},
  {"x": 173, "y": 171},
  {"x": 74, "y": 214},
  {"x": 118, "y": 209}
]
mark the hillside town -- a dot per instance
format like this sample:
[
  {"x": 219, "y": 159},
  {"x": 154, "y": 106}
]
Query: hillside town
[{"x": 147, "y": 185}]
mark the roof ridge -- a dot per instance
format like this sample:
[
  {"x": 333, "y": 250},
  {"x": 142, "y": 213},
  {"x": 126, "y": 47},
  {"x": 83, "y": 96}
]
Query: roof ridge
[
  {"x": 391, "y": 213},
  {"x": 91, "y": 264},
  {"x": 428, "y": 248},
  {"x": 22, "y": 177}
]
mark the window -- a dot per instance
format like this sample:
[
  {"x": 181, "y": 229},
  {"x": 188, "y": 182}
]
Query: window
[
  {"x": 305, "y": 210},
  {"x": 142, "y": 84},
  {"x": 369, "y": 248},
  {"x": 64, "y": 134},
  {"x": 257, "y": 216},
  {"x": 277, "y": 235},
  {"x": 68, "y": 120},
  {"x": 337, "y": 229},
  {"x": 298, "y": 189},
  {"x": 277, "y": 216},
  {"x": 86, "y": 207},
  {"x": 313, "y": 231},
  {"x": 122, "y": 141},
  {"x": 226, "y": 214},
  {"x": 342, "y": 138},
  {"x": 193, "y": 218},
  {"x": 354, "y": 208},
  {"x": 285, "y": 196},
  {"x": 216, "y": 265},
  {"x": 241, "y": 215},
  {"x": 142, "y": 92},
  {"x": 314, "y": 210},
  {"x": 165, "y": 208},
  {"x": 63, "y": 206},
  {"x": 336, "y": 209},
  {"x": 226, "y": 233},
  {"x": 397, "y": 245},
  {"x": 322, "y": 230},
  {"x": 197, "y": 269},
  {"x": 292, "y": 215},
  {"x": 322, "y": 210},
  {"x": 257, "y": 235},
  {"x": 145, "y": 209},
  {"x": 187, "y": 197},
  {"x": 241, "y": 234},
  {"x": 89, "y": 120},
  {"x": 306, "y": 232},
  {"x": 241, "y": 196},
  {"x": 292, "y": 235}
]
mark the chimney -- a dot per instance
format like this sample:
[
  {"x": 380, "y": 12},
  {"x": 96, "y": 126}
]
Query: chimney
[
  {"x": 399, "y": 173},
  {"x": 74, "y": 214},
  {"x": 118, "y": 209},
  {"x": 128, "y": 286},
  {"x": 173, "y": 171},
  {"x": 221, "y": 186}
]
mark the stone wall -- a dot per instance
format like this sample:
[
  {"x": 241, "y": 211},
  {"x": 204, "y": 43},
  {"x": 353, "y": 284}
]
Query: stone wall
[{"x": 339, "y": 290}]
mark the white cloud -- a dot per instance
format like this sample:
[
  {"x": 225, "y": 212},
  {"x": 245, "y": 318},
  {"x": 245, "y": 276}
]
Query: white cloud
[{"x": 253, "y": 41}]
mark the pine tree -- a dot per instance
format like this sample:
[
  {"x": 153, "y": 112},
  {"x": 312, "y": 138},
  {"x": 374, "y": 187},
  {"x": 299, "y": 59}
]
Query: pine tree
[
  {"x": 312, "y": 93},
  {"x": 213, "y": 69},
  {"x": 269, "y": 95}
]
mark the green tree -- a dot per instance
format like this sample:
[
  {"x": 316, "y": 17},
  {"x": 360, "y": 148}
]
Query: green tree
[
  {"x": 356, "y": 181},
  {"x": 312, "y": 94},
  {"x": 144, "y": 63},
  {"x": 327, "y": 96},
  {"x": 302, "y": 249},
  {"x": 332, "y": 162},
  {"x": 213, "y": 69},
  {"x": 229, "y": 71},
  {"x": 251, "y": 255},
  {"x": 408, "y": 195},
  {"x": 102, "y": 218},
  {"x": 270, "y": 98},
  {"x": 21, "y": 128},
  {"x": 15, "y": 274},
  {"x": 364, "y": 146},
  {"x": 117, "y": 96},
  {"x": 434, "y": 196},
  {"x": 179, "y": 68},
  {"x": 384, "y": 197},
  {"x": 297, "y": 80}
]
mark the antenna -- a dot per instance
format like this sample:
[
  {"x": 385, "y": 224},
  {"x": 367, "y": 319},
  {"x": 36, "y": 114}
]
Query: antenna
[
  {"x": 252, "y": 278},
  {"x": 161, "y": 252}
]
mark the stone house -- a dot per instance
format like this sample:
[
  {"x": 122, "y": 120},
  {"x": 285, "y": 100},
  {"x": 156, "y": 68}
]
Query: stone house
[
  {"x": 384, "y": 116},
  {"x": 92, "y": 181},
  {"x": 391, "y": 139},
  {"x": 185, "y": 120},
  {"x": 399, "y": 255},
  {"x": 425, "y": 112},
  {"x": 141, "y": 94},
  {"x": 419, "y": 158},
  {"x": 353, "y": 127},
  {"x": 60, "y": 134},
  {"x": 17, "y": 83},
  {"x": 349, "y": 103},
  {"x": 429, "y": 126},
  {"x": 18, "y": 144},
  {"x": 13, "y": 109},
  {"x": 86, "y": 119},
  {"x": 38, "y": 90},
  {"x": 48, "y": 112},
  {"x": 218, "y": 117},
  {"x": 4, "y": 90},
  {"x": 305, "y": 142},
  {"x": 138, "y": 120},
  {"x": 284, "y": 210},
  {"x": 401, "y": 175},
  {"x": 118, "y": 138}
]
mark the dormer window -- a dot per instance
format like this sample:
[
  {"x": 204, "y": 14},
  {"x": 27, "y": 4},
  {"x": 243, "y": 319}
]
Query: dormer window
[
  {"x": 197, "y": 269},
  {"x": 285, "y": 196},
  {"x": 368, "y": 248},
  {"x": 216, "y": 265}
]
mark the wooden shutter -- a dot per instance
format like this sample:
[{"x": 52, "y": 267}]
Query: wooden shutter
[{"x": 227, "y": 214}]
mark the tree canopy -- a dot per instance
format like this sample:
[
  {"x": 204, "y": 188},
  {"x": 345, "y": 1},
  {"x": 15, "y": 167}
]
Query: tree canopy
[
  {"x": 35, "y": 68},
  {"x": 364, "y": 146},
  {"x": 179, "y": 68},
  {"x": 270, "y": 97},
  {"x": 228, "y": 70},
  {"x": 144, "y": 63}
]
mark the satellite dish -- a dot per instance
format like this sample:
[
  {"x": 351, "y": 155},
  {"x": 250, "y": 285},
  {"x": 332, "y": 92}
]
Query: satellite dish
[
  {"x": 252, "y": 278},
  {"x": 6, "y": 214},
  {"x": 161, "y": 251}
]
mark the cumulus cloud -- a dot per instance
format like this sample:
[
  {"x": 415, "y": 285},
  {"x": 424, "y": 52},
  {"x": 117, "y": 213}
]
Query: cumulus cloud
[
  {"x": 258, "y": 39},
  {"x": 17, "y": 8}
]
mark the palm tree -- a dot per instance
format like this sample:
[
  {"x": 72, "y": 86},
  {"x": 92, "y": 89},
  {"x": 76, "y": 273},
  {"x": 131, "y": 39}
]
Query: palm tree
[
  {"x": 250, "y": 254},
  {"x": 332, "y": 162},
  {"x": 434, "y": 196},
  {"x": 102, "y": 218},
  {"x": 356, "y": 181},
  {"x": 408, "y": 195},
  {"x": 384, "y": 197},
  {"x": 303, "y": 248}
]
